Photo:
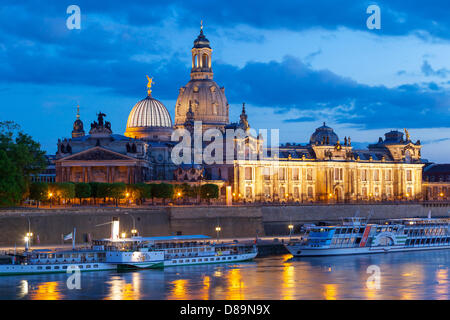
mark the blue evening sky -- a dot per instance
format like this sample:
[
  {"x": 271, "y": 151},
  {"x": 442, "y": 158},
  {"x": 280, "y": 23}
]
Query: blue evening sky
[{"x": 296, "y": 64}]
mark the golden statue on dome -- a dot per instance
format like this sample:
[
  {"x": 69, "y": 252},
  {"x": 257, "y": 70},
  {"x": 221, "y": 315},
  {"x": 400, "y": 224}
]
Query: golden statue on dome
[
  {"x": 149, "y": 85},
  {"x": 407, "y": 135}
]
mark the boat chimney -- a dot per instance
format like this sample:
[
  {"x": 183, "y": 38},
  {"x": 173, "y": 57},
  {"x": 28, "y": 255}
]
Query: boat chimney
[{"x": 115, "y": 229}]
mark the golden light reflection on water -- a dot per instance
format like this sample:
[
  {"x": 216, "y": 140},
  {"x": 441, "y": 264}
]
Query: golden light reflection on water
[
  {"x": 46, "y": 291},
  {"x": 205, "y": 289},
  {"x": 330, "y": 291},
  {"x": 235, "y": 290},
  {"x": 179, "y": 291},
  {"x": 412, "y": 276},
  {"x": 288, "y": 284},
  {"x": 442, "y": 287},
  {"x": 120, "y": 289}
]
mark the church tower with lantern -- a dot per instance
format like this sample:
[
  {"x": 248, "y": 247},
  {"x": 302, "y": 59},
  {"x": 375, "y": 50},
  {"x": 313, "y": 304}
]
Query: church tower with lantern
[{"x": 202, "y": 95}]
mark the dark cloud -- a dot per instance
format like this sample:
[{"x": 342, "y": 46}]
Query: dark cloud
[
  {"x": 321, "y": 94},
  {"x": 428, "y": 71}
]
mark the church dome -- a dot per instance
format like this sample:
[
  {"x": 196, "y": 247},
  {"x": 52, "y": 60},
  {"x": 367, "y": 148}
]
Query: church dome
[
  {"x": 324, "y": 136},
  {"x": 208, "y": 102},
  {"x": 148, "y": 118}
]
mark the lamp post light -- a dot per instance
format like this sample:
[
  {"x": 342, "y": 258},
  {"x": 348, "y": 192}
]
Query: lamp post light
[
  {"x": 127, "y": 196},
  {"x": 291, "y": 228},
  {"x": 218, "y": 229},
  {"x": 124, "y": 235},
  {"x": 50, "y": 195}
]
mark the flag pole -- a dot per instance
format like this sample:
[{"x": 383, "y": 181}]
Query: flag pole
[{"x": 73, "y": 238}]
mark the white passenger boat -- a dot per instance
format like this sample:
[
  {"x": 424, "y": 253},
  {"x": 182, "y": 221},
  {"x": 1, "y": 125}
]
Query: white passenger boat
[
  {"x": 113, "y": 256},
  {"x": 116, "y": 253},
  {"x": 355, "y": 236},
  {"x": 113, "y": 253},
  {"x": 55, "y": 261},
  {"x": 191, "y": 249}
]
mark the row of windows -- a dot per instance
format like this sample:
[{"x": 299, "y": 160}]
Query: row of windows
[
  {"x": 185, "y": 250},
  {"x": 338, "y": 174},
  {"x": 429, "y": 241},
  {"x": 88, "y": 266},
  {"x": 204, "y": 260}
]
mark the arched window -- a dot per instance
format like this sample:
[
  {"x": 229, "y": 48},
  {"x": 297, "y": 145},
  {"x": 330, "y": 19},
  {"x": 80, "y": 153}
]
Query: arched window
[
  {"x": 196, "y": 61},
  {"x": 205, "y": 63}
]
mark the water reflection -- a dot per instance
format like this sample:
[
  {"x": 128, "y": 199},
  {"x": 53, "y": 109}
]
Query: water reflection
[
  {"x": 46, "y": 291},
  {"x": 419, "y": 275},
  {"x": 330, "y": 291},
  {"x": 122, "y": 288}
]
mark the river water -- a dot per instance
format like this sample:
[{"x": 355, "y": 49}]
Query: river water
[{"x": 417, "y": 275}]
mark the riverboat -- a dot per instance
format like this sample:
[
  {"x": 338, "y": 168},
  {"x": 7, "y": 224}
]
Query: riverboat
[
  {"x": 355, "y": 236},
  {"x": 192, "y": 249}
]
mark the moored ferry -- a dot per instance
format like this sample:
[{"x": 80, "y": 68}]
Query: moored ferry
[
  {"x": 355, "y": 236},
  {"x": 54, "y": 261},
  {"x": 113, "y": 255},
  {"x": 191, "y": 249},
  {"x": 121, "y": 253}
]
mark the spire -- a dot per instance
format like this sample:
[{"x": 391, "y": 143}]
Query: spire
[
  {"x": 201, "y": 26},
  {"x": 149, "y": 86},
  {"x": 189, "y": 122},
  {"x": 244, "y": 122},
  {"x": 78, "y": 127}
]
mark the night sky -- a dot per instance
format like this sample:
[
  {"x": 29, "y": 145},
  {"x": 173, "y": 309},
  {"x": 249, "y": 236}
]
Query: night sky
[{"x": 296, "y": 64}]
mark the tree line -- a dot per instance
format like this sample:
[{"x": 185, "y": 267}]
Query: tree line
[
  {"x": 100, "y": 192},
  {"x": 20, "y": 158}
]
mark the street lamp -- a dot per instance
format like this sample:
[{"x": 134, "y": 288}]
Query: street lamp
[
  {"x": 124, "y": 235},
  {"x": 127, "y": 195},
  {"x": 218, "y": 229},
  {"x": 291, "y": 227},
  {"x": 50, "y": 195}
]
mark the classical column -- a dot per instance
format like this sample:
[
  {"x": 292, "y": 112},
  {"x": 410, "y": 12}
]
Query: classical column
[{"x": 113, "y": 174}]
